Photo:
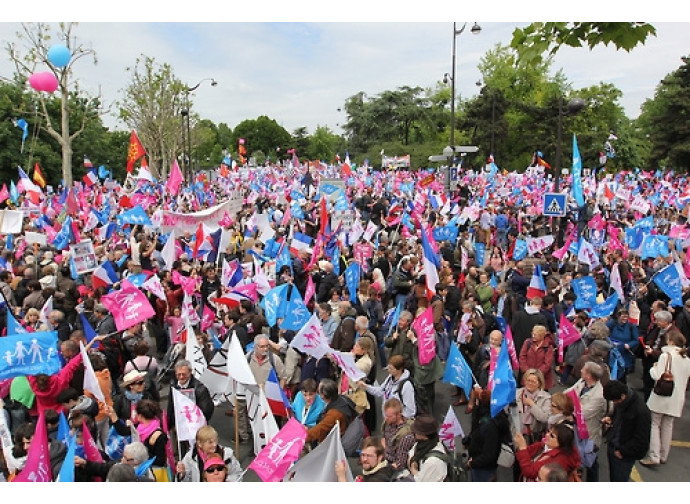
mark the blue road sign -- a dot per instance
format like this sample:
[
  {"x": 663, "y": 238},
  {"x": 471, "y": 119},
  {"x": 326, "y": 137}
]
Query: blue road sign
[{"x": 554, "y": 205}]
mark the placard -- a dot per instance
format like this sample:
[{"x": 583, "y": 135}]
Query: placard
[{"x": 84, "y": 256}]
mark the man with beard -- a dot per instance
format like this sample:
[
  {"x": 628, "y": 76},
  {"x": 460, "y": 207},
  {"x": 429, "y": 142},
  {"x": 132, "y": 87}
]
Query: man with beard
[{"x": 375, "y": 468}]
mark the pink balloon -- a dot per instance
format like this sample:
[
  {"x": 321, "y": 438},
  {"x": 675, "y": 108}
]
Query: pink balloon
[{"x": 44, "y": 81}]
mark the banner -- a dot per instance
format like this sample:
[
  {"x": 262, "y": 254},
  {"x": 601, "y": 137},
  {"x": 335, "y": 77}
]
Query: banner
[
  {"x": 182, "y": 222},
  {"x": 84, "y": 256},
  {"x": 29, "y": 354}
]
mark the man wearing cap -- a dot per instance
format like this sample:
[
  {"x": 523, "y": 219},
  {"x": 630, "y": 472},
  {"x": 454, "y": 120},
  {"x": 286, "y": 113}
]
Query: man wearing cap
[{"x": 424, "y": 462}]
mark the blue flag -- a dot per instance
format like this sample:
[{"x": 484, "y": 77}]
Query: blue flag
[
  {"x": 668, "y": 280},
  {"x": 296, "y": 313},
  {"x": 14, "y": 193},
  {"x": 578, "y": 192},
  {"x": 394, "y": 320},
  {"x": 134, "y": 216},
  {"x": 24, "y": 126},
  {"x": 67, "y": 470},
  {"x": 296, "y": 210},
  {"x": 336, "y": 261},
  {"x": 494, "y": 281},
  {"x": 352, "y": 274},
  {"x": 585, "y": 289},
  {"x": 144, "y": 466},
  {"x": 449, "y": 233},
  {"x": 14, "y": 327},
  {"x": 103, "y": 173},
  {"x": 29, "y": 354},
  {"x": 479, "y": 252},
  {"x": 504, "y": 389},
  {"x": 520, "y": 249},
  {"x": 73, "y": 269},
  {"x": 654, "y": 246},
  {"x": 274, "y": 304},
  {"x": 458, "y": 372},
  {"x": 606, "y": 308},
  {"x": 89, "y": 331},
  {"x": 284, "y": 259},
  {"x": 63, "y": 431}
]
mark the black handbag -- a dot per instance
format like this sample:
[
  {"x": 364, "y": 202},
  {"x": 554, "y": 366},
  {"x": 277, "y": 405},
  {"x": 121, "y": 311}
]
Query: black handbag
[{"x": 664, "y": 385}]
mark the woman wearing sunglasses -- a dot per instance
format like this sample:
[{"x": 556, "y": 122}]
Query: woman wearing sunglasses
[
  {"x": 558, "y": 446},
  {"x": 215, "y": 470}
]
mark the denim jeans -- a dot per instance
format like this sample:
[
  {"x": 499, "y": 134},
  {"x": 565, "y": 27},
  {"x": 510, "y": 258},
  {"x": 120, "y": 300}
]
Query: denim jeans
[{"x": 619, "y": 469}]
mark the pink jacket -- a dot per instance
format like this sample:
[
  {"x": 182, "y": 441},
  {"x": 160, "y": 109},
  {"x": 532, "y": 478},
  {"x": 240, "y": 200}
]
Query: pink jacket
[{"x": 47, "y": 399}]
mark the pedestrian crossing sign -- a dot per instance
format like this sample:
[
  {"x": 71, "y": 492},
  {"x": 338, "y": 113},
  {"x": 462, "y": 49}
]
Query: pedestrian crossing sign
[{"x": 554, "y": 205}]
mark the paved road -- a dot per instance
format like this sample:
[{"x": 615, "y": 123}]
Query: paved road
[{"x": 677, "y": 469}]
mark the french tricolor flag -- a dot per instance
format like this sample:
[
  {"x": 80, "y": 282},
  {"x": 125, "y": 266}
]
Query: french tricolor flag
[
  {"x": 437, "y": 200},
  {"x": 105, "y": 232},
  {"x": 537, "y": 287},
  {"x": 277, "y": 400},
  {"x": 104, "y": 276},
  {"x": 431, "y": 264},
  {"x": 300, "y": 242},
  {"x": 90, "y": 178}
]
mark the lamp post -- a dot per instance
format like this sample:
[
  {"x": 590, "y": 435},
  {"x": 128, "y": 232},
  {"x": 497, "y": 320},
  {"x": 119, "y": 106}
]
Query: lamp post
[
  {"x": 475, "y": 30},
  {"x": 187, "y": 144},
  {"x": 572, "y": 108}
]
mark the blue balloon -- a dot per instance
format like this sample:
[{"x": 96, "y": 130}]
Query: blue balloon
[{"x": 59, "y": 55}]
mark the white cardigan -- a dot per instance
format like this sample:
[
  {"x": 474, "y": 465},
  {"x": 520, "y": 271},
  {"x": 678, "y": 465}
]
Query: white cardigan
[{"x": 680, "y": 368}]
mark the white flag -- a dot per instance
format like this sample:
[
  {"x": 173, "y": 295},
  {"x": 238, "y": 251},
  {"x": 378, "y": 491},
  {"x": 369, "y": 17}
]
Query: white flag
[
  {"x": 238, "y": 367},
  {"x": 586, "y": 254},
  {"x": 260, "y": 279},
  {"x": 346, "y": 362},
  {"x": 188, "y": 311},
  {"x": 168, "y": 253},
  {"x": 311, "y": 339},
  {"x": 217, "y": 379},
  {"x": 194, "y": 353},
  {"x": 319, "y": 464},
  {"x": 370, "y": 230},
  {"x": 188, "y": 417},
  {"x": 153, "y": 285},
  {"x": 264, "y": 425},
  {"x": 450, "y": 429},
  {"x": 90, "y": 380},
  {"x": 45, "y": 311},
  {"x": 616, "y": 283}
]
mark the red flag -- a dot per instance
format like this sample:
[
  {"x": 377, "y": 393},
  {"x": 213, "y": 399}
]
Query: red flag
[
  {"x": 608, "y": 194},
  {"x": 136, "y": 150},
  {"x": 323, "y": 215},
  {"x": 38, "y": 176}
]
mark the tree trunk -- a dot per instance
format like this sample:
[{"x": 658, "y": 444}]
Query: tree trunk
[{"x": 66, "y": 141}]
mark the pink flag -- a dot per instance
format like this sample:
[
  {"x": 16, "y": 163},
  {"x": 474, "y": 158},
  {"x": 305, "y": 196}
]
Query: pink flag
[
  {"x": 567, "y": 333},
  {"x": 207, "y": 318},
  {"x": 37, "y": 467},
  {"x": 188, "y": 284},
  {"x": 128, "y": 305},
  {"x": 4, "y": 193},
  {"x": 511, "y": 348},
  {"x": 577, "y": 413},
  {"x": 493, "y": 358},
  {"x": 153, "y": 285},
  {"x": 91, "y": 451},
  {"x": 169, "y": 455},
  {"x": 249, "y": 290},
  {"x": 277, "y": 456},
  {"x": 426, "y": 336},
  {"x": 174, "y": 179},
  {"x": 310, "y": 290}
]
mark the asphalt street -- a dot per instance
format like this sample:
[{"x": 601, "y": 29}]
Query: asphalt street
[{"x": 677, "y": 468}]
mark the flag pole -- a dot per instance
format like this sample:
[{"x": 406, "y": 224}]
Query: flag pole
[{"x": 237, "y": 432}]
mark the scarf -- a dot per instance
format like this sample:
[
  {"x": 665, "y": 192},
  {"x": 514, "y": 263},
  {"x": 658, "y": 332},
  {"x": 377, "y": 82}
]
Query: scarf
[
  {"x": 422, "y": 448},
  {"x": 527, "y": 410},
  {"x": 381, "y": 465},
  {"x": 146, "y": 429}
]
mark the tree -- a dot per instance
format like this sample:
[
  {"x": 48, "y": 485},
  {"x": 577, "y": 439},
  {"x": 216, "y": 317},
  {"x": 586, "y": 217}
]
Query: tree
[
  {"x": 665, "y": 120},
  {"x": 152, "y": 105},
  {"x": 323, "y": 144},
  {"x": 262, "y": 134},
  {"x": 536, "y": 39},
  {"x": 37, "y": 38}
]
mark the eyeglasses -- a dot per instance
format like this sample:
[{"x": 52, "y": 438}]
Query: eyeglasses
[
  {"x": 127, "y": 460},
  {"x": 215, "y": 468}
]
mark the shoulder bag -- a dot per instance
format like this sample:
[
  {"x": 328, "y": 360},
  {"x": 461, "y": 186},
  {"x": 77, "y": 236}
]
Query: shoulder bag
[{"x": 664, "y": 385}]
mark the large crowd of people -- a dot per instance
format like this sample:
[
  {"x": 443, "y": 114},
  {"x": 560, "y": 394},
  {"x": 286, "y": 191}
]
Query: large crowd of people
[{"x": 579, "y": 298}]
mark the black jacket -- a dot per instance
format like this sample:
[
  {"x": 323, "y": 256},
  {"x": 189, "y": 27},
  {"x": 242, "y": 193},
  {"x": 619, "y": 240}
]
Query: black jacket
[
  {"x": 202, "y": 398},
  {"x": 632, "y": 424}
]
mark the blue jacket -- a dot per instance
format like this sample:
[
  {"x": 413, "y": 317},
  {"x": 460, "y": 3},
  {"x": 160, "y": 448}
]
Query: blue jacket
[
  {"x": 622, "y": 334},
  {"x": 312, "y": 414}
]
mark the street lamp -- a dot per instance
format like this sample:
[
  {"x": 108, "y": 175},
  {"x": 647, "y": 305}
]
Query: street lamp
[
  {"x": 572, "y": 108},
  {"x": 187, "y": 144},
  {"x": 475, "y": 30}
]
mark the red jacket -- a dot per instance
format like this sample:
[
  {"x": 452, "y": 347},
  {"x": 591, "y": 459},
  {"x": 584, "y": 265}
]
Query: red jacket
[
  {"x": 538, "y": 358},
  {"x": 47, "y": 399},
  {"x": 530, "y": 468}
]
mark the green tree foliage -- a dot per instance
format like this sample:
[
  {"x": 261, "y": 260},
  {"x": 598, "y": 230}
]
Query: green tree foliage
[
  {"x": 262, "y": 134},
  {"x": 536, "y": 39},
  {"x": 323, "y": 144},
  {"x": 152, "y": 105},
  {"x": 665, "y": 120},
  {"x": 32, "y": 56}
]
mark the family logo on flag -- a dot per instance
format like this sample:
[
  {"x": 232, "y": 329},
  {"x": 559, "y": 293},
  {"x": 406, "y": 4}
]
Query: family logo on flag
[
  {"x": 188, "y": 417},
  {"x": 450, "y": 429},
  {"x": 277, "y": 456},
  {"x": 311, "y": 339}
]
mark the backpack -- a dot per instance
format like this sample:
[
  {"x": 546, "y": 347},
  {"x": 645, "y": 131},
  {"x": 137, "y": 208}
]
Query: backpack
[
  {"x": 390, "y": 287},
  {"x": 455, "y": 472},
  {"x": 419, "y": 395}
]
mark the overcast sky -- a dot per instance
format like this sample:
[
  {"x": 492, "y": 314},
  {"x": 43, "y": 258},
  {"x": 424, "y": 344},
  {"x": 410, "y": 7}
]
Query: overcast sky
[{"x": 300, "y": 72}]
